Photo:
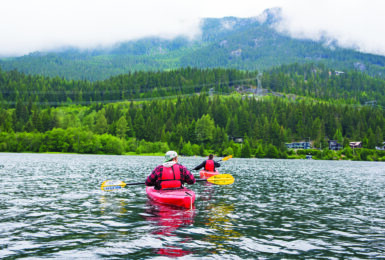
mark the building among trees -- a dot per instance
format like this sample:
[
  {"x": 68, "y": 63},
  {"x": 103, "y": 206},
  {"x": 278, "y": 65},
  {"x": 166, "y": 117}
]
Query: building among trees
[
  {"x": 355, "y": 145},
  {"x": 333, "y": 145},
  {"x": 298, "y": 145}
]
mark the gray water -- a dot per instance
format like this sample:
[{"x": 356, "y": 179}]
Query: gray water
[{"x": 51, "y": 206}]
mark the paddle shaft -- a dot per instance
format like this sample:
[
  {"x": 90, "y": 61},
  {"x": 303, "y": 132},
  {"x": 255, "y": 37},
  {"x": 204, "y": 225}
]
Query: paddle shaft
[
  {"x": 220, "y": 179},
  {"x": 140, "y": 183},
  {"x": 225, "y": 158},
  {"x": 135, "y": 183}
]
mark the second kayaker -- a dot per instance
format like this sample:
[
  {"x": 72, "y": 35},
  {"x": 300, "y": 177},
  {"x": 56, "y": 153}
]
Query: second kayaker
[
  {"x": 170, "y": 174},
  {"x": 209, "y": 164}
]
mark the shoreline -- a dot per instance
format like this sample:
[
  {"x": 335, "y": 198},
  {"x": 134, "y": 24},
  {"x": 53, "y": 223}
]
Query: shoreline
[{"x": 339, "y": 158}]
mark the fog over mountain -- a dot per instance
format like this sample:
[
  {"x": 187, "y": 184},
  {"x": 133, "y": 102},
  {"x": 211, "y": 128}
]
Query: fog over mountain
[{"x": 42, "y": 25}]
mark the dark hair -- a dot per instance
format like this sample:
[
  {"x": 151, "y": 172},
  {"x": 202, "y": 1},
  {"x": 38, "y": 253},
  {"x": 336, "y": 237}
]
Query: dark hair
[{"x": 211, "y": 156}]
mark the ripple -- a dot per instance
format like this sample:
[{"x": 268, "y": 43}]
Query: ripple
[{"x": 51, "y": 206}]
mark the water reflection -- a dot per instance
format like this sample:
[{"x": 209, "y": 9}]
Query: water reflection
[
  {"x": 110, "y": 205},
  {"x": 218, "y": 219},
  {"x": 221, "y": 224},
  {"x": 167, "y": 220}
]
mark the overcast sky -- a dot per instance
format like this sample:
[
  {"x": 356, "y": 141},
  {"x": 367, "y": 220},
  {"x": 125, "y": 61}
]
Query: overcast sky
[{"x": 37, "y": 25}]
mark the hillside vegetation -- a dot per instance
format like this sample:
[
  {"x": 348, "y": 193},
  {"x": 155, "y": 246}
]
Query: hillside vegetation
[
  {"x": 310, "y": 105},
  {"x": 308, "y": 80}
]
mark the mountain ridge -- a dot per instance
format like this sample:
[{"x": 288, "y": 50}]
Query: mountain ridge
[{"x": 228, "y": 42}]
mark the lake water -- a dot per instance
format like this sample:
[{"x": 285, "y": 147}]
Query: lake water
[{"x": 51, "y": 206}]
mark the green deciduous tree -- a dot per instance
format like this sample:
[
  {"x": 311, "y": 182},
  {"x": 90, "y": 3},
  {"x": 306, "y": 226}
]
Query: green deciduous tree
[
  {"x": 101, "y": 125},
  {"x": 205, "y": 128},
  {"x": 187, "y": 149}
]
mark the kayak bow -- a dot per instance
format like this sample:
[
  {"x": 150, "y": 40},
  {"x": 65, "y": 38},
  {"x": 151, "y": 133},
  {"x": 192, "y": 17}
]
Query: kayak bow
[
  {"x": 207, "y": 174},
  {"x": 183, "y": 197}
]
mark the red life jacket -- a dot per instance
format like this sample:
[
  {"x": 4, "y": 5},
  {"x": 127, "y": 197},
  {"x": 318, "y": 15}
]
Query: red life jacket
[
  {"x": 170, "y": 177},
  {"x": 209, "y": 166}
]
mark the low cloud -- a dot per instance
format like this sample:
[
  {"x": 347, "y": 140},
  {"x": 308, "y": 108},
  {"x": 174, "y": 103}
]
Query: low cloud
[
  {"x": 27, "y": 26},
  {"x": 351, "y": 24}
]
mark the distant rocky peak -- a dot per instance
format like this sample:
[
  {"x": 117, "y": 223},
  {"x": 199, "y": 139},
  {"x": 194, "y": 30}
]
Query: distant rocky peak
[
  {"x": 228, "y": 24},
  {"x": 270, "y": 16}
]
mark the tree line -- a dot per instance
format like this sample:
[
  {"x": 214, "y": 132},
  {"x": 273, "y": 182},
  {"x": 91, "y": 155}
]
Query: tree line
[
  {"x": 192, "y": 125},
  {"x": 18, "y": 87},
  {"x": 308, "y": 80},
  {"x": 321, "y": 82}
]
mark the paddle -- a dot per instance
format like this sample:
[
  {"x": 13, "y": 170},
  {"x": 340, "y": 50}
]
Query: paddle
[
  {"x": 219, "y": 179},
  {"x": 226, "y": 158}
]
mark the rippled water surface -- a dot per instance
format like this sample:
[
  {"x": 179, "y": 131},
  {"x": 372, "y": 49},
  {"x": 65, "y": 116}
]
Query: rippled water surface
[{"x": 51, "y": 206}]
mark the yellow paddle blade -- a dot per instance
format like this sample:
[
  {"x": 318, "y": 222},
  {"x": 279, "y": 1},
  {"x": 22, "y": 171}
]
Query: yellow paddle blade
[
  {"x": 112, "y": 185},
  {"x": 227, "y": 157},
  {"x": 221, "y": 179}
]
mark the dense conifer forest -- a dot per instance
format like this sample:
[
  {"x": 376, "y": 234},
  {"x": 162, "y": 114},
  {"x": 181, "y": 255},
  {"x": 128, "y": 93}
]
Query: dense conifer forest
[
  {"x": 195, "y": 112},
  {"x": 17, "y": 86}
]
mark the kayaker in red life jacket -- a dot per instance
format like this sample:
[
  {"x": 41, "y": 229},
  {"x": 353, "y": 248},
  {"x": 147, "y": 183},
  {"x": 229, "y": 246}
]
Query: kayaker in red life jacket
[
  {"x": 170, "y": 175},
  {"x": 209, "y": 164}
]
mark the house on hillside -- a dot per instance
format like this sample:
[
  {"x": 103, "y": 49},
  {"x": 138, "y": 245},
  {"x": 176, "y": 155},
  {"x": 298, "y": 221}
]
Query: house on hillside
[
  {"x": 333, "y": 145},
  {"x": 355, "y": 145},
  {"x": 382, "y": 147},
  {"x": 236, "y": 139},
  {"x": 338, "y": 72},
  {"x": 298, "y": 145}
]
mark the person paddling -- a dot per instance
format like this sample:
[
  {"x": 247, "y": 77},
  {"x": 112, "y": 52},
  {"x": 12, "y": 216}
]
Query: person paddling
[
  {"x": 208, "y": 164},
  {"x": 170, "y": 175}
]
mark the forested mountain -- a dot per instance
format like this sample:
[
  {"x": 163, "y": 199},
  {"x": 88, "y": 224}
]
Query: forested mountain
[
  {"x": 238, "y": 43},
  {"x": 129, "y": 113},
  {"x": 17, "y": 87},
  {"x": 305, "y": 80}
]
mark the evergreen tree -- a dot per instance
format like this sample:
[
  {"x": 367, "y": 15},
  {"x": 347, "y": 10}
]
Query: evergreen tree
[
  {"x": 232, "y": 127},
  {"x": 272, "y": 151},
  {"x": 243, "y": 123},
  {"x": 245, "y": 151},
  {"x": 371, "y": 139},
  {"x": 379, "y": 137},
  {"x": 130, "y": 129},
  {"x": 260, "y": 153},
  {"x": 338, "y": 136},
  {"x": 121, "y": 127},
  {"x": 139, "y": 126}
]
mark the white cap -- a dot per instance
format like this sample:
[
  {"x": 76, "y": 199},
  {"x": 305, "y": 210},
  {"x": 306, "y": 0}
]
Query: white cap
[{"x": 170, "y": 155}]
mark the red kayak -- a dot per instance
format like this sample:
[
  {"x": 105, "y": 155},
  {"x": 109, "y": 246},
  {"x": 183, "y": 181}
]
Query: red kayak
[
  {"x": 207, "y": 174},
  {"x": 179, "y": 197}
]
